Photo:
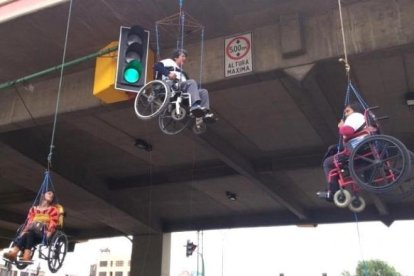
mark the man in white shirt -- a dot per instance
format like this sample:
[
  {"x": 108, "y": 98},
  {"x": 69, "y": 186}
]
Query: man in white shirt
[{"x": 172, "y": 69}]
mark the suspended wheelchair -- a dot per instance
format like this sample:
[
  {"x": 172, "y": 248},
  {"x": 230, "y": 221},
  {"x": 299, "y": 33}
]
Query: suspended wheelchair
[
  {"x": 52, "y": 250},
  {"x": 370, "y": 161},
  {"x": 172, "y": 106}
]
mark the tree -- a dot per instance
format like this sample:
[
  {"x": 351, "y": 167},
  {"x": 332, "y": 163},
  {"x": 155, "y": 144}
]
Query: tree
[
  {"x": 375, "y": 268},
  {"x": 345, "y": 273}
]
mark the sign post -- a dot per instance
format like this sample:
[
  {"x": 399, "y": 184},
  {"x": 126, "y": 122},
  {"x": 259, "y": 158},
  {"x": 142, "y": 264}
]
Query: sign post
[{"x": 238, "y": 55}]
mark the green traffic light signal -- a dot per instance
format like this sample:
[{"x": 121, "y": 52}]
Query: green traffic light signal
[
  {"x": 133, "y": 71},
  {"x": 132, "y": 60}
]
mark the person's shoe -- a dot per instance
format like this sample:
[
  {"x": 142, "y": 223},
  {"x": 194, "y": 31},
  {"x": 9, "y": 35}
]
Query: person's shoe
[
  {"x": 12, "y": 254},
  {"x": 27, "y": 256},
  {"x": 196, "y": 111},
  {"x": 210, "y": 118}
]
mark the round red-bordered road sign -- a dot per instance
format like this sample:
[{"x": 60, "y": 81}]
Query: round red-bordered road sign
[{"x": 238, "y": 48}]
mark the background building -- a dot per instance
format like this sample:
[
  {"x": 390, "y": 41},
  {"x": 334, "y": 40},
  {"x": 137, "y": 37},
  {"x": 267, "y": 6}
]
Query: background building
[{"x": 111, "y": 264}]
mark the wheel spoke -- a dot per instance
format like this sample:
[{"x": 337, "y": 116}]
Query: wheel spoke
[
  {"x": 364, "y": 168},
  {"x": 392, "y": 157},
  {"x": 143, "y": 103},
  {"x": 393, "y": 170},
  {"x": 384, "y": 150},
  {"x": 168, "y": 123},
  {"x": 144, "y": 94},
  {"x": 361, "y": 157},
  {"x": 371, "y": 178}
]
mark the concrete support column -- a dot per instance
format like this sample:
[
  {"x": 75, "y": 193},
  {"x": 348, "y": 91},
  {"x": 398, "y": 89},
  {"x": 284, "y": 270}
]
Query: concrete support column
[
  {"x": 151, "y": 255},
  {"x": 166, "y": 255}
]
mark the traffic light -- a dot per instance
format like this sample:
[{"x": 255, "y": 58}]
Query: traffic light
[
  {"x": 132, "y": 62},
  {"x": 190, "y": 247}
]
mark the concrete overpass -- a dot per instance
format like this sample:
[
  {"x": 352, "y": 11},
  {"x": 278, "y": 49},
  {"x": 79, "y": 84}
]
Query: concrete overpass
[{"x": 275, "y": 123}]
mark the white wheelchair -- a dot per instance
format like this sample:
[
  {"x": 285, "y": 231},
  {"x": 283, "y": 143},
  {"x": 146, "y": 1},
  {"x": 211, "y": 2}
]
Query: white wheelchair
[{"x": 172, "y": 106}]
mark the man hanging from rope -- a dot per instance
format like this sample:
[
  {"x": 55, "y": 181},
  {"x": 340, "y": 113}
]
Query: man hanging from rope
[
  {"x": 171, "y": 69},
  {"x": 352, "y": 122}
]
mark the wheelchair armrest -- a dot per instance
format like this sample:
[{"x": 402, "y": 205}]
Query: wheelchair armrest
[
  {"x": 369, "y": 130},
  {"x": 342, "y": 158},
  {"x": 382, "y": 118},
  {"x": 373, "y": 107}
]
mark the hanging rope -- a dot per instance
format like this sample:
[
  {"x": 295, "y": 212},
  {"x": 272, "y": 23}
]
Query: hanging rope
[
  {"x": 345, "y": 59},
  {"x": 180, "y": 37},
  {"x": 360, "y": 246},
  {"x": 201, "y": 58},
  {"x": 350, "y": 87},
  {"x": 49, "y": 158},
  {"x": 157, "y": 34},
  {"x": 47, "y": 185},
  {"x": 180, "y": 19},
  {"x": 150, "y": 173}
]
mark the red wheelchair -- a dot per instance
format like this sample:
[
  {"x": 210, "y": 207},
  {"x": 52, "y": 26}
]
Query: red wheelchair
[{"x": 369, "y": 161}]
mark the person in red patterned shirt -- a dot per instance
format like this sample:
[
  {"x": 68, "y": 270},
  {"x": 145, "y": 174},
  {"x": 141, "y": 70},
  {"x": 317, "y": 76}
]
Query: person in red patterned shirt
[{"x": 41, "y": 223}]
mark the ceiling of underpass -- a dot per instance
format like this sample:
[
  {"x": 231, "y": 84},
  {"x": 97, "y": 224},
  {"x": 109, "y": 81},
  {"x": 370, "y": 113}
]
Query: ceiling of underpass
[{"x": 266, "y": 147}]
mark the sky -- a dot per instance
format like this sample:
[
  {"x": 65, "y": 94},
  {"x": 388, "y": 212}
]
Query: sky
[
  {"x": 269, "y": 251},
  {"x": 299, "y": 251}
]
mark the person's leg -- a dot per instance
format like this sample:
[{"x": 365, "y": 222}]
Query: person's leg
[
  {"x": 209, "y": 117},
  {"x": 332, "y": 184},
  {"x": 328, "y": 165},
  {"x": 191, "y": 88},
  {"x": 204, "y": 99},
  {"x": 32, "y": 239}
]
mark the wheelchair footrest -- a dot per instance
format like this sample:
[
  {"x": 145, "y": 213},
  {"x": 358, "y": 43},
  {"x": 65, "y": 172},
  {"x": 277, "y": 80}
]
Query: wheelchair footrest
[{"x": 24, "y": 262}]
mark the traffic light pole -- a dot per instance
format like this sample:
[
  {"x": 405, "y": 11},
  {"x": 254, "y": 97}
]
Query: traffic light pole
[{"x": 58, "y": 67}]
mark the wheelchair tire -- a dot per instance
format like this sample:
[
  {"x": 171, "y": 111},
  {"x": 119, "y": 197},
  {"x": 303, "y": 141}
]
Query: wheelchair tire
[
  {"x": 152, "y": 99},
  {"x": 169, "y": 125},
  {"x": 380, "y": 163},
  {"x": 58, "y": 248},
  {"x": 199, "y": 128},
  {"x": 357, "y": 204},
  {"x": 342, "y": 198},
  {"x": 20, "y": 265}
]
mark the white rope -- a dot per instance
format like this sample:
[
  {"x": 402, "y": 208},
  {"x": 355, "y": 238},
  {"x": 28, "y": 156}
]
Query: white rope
[{"x": 49, "y": 158}]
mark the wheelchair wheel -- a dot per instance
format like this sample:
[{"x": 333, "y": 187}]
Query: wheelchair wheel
[
  {"x": 342, "y": 198},
  {"x": 380, "y": 163},
  {"x": 199, "y": 127},
  {"x": 20, "y": 265},
  {"x": 152, "y": 99},
  {"x": 180, "y": 115},
  {"x": 57, "y": 251},
  {"x": 357, "y": 204},
  {"x": 169, "y": 124}
]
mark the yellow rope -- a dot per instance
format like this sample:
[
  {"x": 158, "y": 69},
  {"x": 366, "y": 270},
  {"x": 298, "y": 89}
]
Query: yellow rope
[{"x": 345, "y": 58}]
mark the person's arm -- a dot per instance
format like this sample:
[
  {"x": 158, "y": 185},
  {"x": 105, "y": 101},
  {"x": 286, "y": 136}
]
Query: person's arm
[
  {"x": 354, "y": 122},
  {"x": 53, "y": 220},
  {"x": 29, "y": 219},
  {"x": 346, "y": 130},
  {"x": 161, "y": 69}
]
